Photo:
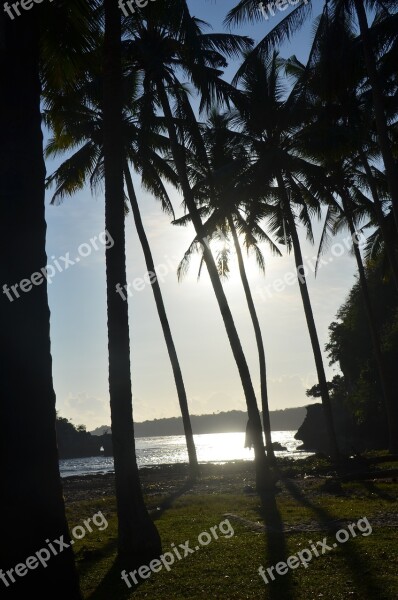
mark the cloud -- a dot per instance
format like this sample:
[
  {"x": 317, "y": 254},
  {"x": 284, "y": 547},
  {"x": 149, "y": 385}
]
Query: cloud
[
  {"x": 215, "y": 402},
  {"x": 289, "y": 391},
  {"x": 85, "y": 409}
]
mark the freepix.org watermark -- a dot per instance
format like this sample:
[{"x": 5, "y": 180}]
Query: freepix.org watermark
[
  {"x": 58, "y": 265},
  {"x": 304, "y": 557},
  {"x": 167, "y": 559},
  {"x": 280, "y": 5},
  {"x": 131, "y": 4},
  {"x": 140, "y": 283},
  {"x": 13, "y": 10},
  {"x": 43, "y": 556}
]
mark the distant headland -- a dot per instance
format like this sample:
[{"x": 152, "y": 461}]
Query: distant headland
[
  {"x": 224, "y": 422},
  {"x": 77, "y": 442}
]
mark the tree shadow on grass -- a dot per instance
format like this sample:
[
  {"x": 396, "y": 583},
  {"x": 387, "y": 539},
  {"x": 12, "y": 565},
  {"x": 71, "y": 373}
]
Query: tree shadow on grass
[
  {"x": 367, "y": 583},
  {"x": 112, "y": 585},
  {"x": 374, "y": 489},
  {"x": 86, "y": 558},
  {"x": 168, "y": 502},
  {"x": 276, "y": 549}
]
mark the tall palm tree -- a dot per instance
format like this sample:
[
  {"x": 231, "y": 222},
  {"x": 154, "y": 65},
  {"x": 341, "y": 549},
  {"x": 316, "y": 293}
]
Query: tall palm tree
[
  {"x": 348, "y": 213},
  {"x": 77, "y": 121},
  {"x": 259, "y": 340},
  {"x": 285, "y": 179},
  {"x": 31, "y": 499},
  {"x": 218, "y": 168},
  {"x": 286, "y": 206},
  {"x": 138, "y": 538},
  {"x": 390, "y": 400},
  {"x": 377, "y": 90},
  {"x": 336, "y": 10},
  {"x": 342, "y": 96},
  {"x": 342, "y": 181},
  {"x": 175, "y": 363},
  {"x": 388, "y": 234},
  {"x": 340, "y": 114},
  {"x": 158, "y": 48}
]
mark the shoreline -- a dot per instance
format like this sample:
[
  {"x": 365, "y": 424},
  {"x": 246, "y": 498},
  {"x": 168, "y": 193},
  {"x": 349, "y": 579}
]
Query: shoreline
[
  {"x": 164, "y": 479},
  {"x": 235, "y": 477}
]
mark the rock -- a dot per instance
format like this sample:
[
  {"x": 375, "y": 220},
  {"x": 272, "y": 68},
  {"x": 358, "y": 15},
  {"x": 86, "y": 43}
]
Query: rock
[
  {"x": 313, "y": 431},
  {"x": 278, "y": 447}
]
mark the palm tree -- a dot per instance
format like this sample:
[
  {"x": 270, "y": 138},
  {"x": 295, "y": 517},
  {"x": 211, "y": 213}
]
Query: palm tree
[
  {"x": 218, "y": 170},
  {"x": 169, "y": 39},
  {"x": 309, "y": 315},
  {"x": 388, "y": 234},
  {"x": 78, "y": 123},
  {"x": 337, "y": 10},
  {"x": 342, "y": 180},
  {"x": 349, "y": 213},
  {"x": 273, "y": 126},
  {"x": 324, "y": 85},
  {"x": 259, "y": 341},
  {"x": 31, "y": 482},
  {"x": 389, "y": 397},
  {"x": 377, "y": 93},
  {"x": 138, "y": 537},
  {"x": 340, "y": 114},
  {"x": 175, "y": 363}
]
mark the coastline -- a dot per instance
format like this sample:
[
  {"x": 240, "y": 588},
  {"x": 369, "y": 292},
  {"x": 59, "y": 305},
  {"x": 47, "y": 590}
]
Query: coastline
[{"x": 230, "y": 477}]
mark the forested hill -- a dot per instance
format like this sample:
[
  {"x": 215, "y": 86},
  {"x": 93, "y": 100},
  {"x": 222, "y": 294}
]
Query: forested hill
[{"x": 235, "y": 420}]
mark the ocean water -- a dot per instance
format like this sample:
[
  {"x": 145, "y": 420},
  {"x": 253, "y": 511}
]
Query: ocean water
[{"x": 212, "y": 447}]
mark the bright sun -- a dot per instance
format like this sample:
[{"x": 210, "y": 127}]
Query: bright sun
[{"x": 218, "y": 245}]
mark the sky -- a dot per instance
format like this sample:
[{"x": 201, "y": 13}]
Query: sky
[{"x": 78, "y": 305}]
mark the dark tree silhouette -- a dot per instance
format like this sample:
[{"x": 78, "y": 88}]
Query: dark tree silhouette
[
  {"x": 31, "y": 502},
  {"x": 138, "y": 537}
]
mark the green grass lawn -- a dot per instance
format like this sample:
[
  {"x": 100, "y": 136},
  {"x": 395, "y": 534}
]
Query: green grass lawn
[{"x": 363, "y": 567}]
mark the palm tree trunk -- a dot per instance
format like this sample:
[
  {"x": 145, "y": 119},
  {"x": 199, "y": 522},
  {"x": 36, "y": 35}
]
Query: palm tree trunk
[
  {"x": 259, "y": 341},
  {"x": 309, "y": 315},
  {"x": 175, "y": 363},
  {"x": 380, "y": 116},
  {"x": 389, "y": 244},
  {"x": 390, "y": 401},
  {"x": 263, "y": 480},
  {"x": 138, "y": 538},
  {"x": 31, "y": 499}
]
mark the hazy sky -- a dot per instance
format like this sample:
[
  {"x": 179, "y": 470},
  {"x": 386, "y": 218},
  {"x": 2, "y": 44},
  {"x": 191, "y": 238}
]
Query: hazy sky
[{"x": 78, "y": 307}]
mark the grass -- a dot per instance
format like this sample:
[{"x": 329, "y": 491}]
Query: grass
[{"x": 362, "y": 568}]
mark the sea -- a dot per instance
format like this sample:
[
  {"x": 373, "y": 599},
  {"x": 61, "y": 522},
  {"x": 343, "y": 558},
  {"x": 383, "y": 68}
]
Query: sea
[{"x": 161, "y": 450}]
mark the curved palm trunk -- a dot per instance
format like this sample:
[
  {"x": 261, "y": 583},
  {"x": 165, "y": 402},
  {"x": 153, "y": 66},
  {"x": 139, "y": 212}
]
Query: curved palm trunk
[
  {"x": 138, "y": 538},
  {"x": 175, "y": 363},
  {"x": 380, "y": 116},
  {"x": 259, "y": 341},
  {"x": 31, "y": 500},
  {"x": 309, "y": 315},
  {"x": 390, "y": 401},
  {"x": 263, "y": 478},
  {"x": 389, "y": 245}
]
